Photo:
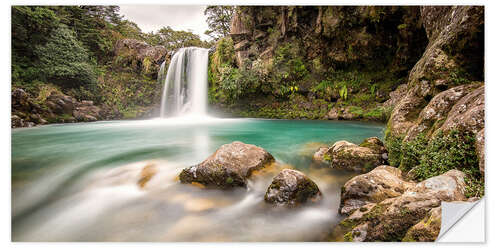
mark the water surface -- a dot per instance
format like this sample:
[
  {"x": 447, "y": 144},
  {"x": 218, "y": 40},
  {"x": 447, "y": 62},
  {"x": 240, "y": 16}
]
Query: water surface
[{"x": 78, "y": 182}]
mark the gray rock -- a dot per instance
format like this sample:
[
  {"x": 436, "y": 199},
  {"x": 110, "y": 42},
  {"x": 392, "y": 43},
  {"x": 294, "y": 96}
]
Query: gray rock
[
  {"x": 229, "y": 166},
  {"x": 292, "y": 188}
]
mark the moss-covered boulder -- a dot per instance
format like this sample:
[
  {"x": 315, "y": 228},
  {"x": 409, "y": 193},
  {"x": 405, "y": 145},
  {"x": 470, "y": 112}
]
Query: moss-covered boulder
[
  {"x": 375, "y": 144},
  {"x": 390, "y": 219},
  {"x": 292, "y": 188},
  {"x": 381, "y": 183},
  {"x": 229, "y": 166},
  {"x": 449, "y": 186},
  {"x": 427, "y": 229},
  {"x": 349, "y": 156}
]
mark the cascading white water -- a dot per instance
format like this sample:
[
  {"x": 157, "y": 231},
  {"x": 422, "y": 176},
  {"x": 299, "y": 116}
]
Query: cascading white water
[{"x": 185, "y": 84}]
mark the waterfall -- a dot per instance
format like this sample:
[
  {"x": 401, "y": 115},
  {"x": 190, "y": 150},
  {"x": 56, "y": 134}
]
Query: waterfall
[{"x": 185, "y": 84}]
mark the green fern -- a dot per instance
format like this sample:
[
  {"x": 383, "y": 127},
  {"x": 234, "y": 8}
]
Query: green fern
[{"x": 343, "y": 92}]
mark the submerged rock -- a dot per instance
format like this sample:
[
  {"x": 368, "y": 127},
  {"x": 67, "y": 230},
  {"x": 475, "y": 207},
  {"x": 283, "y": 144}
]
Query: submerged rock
[
  {"x": 381, "y": 183},
  {"x": 229, "y": 166},
  {"x": 292, "y": 188},
  {"x": 319, "y": 155},
  {"x": 349, "y": 156},
  {"x": 392, "y": 218},
  {"x": 146, "y": 174}
]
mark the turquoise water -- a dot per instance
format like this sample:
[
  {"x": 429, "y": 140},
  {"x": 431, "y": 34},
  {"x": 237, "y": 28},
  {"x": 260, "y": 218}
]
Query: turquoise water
[{"x": 78, "y": 182}]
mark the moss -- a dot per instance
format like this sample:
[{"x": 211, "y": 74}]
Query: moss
[
  {"x": 348, "y": 237},
  {"x": 327, "y": 157},
  {"x": 129, "y": 114}
]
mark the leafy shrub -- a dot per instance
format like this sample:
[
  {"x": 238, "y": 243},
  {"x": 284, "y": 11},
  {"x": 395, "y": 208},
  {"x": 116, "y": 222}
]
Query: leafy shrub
[
  {"x": 236, "y": 83},
  {"x": 288, "y": 69},
  {"x": 428, "y": 158},
  {"x": 412, "y": 152},
  {"x": 64, "y": 60},
  {"x": 394, "y": 148},
  {"x": 455, "y": 150}
]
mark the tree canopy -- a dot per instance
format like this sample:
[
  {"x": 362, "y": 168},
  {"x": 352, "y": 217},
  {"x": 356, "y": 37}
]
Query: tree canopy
[
  {"x": 219, "y": 20},
  {"x": 173, "y": 39},
  {"x": 64, "y": 60}
]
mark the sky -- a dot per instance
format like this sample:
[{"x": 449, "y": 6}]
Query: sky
[{"x": 179, "y": 17}]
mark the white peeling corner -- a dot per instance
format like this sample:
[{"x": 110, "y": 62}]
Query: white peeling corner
[{"x": 462, "y": 222}]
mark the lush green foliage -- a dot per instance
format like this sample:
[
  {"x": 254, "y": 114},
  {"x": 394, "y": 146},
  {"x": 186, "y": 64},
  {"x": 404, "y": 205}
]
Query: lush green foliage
[
  {"x": 427, "y": 158},
  {"x": 61, "y": 44},
  {"x": 455, "y": 150},
  {"x": 71, "y": 49},
  {"x": 63, "y": 59},
  {"x": 238, "y": 82},
  {"x": 288, "y": 70},
  {"x": 393, "y": 145}
]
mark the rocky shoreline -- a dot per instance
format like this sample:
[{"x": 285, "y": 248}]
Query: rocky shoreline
[
  {"x": 59, "y": 108},
  {"x": 380, "y": 204}
]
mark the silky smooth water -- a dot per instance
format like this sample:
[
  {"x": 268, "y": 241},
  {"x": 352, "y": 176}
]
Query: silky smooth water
[{"x": 78, "y": 182}]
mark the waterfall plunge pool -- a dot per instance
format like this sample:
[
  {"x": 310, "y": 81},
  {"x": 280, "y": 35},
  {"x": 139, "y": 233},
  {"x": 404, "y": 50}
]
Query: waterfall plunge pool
[{"x": 78, "y": 182}]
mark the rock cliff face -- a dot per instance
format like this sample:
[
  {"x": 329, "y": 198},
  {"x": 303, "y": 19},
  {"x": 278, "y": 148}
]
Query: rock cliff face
[
  {"x": 332, "y": 35},
  {"x": 445, "y": 88},
  {"x": 143, "y": 57},
  {"x": 304, "y": 56},
  {"x": 453, "y": 57}
]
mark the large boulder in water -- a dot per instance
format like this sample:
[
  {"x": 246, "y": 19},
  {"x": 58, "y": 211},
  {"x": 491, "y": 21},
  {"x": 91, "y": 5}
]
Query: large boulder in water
[
  {"x": 363, "y": 158},
  {"x": 229, "y": 166},
  {"x": 291, "y": 188}
]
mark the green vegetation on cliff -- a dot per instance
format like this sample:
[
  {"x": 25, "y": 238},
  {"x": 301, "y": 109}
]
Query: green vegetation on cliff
[
  {"x": 351, "y": 64},
  {"x": 91, "y": 53}
]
